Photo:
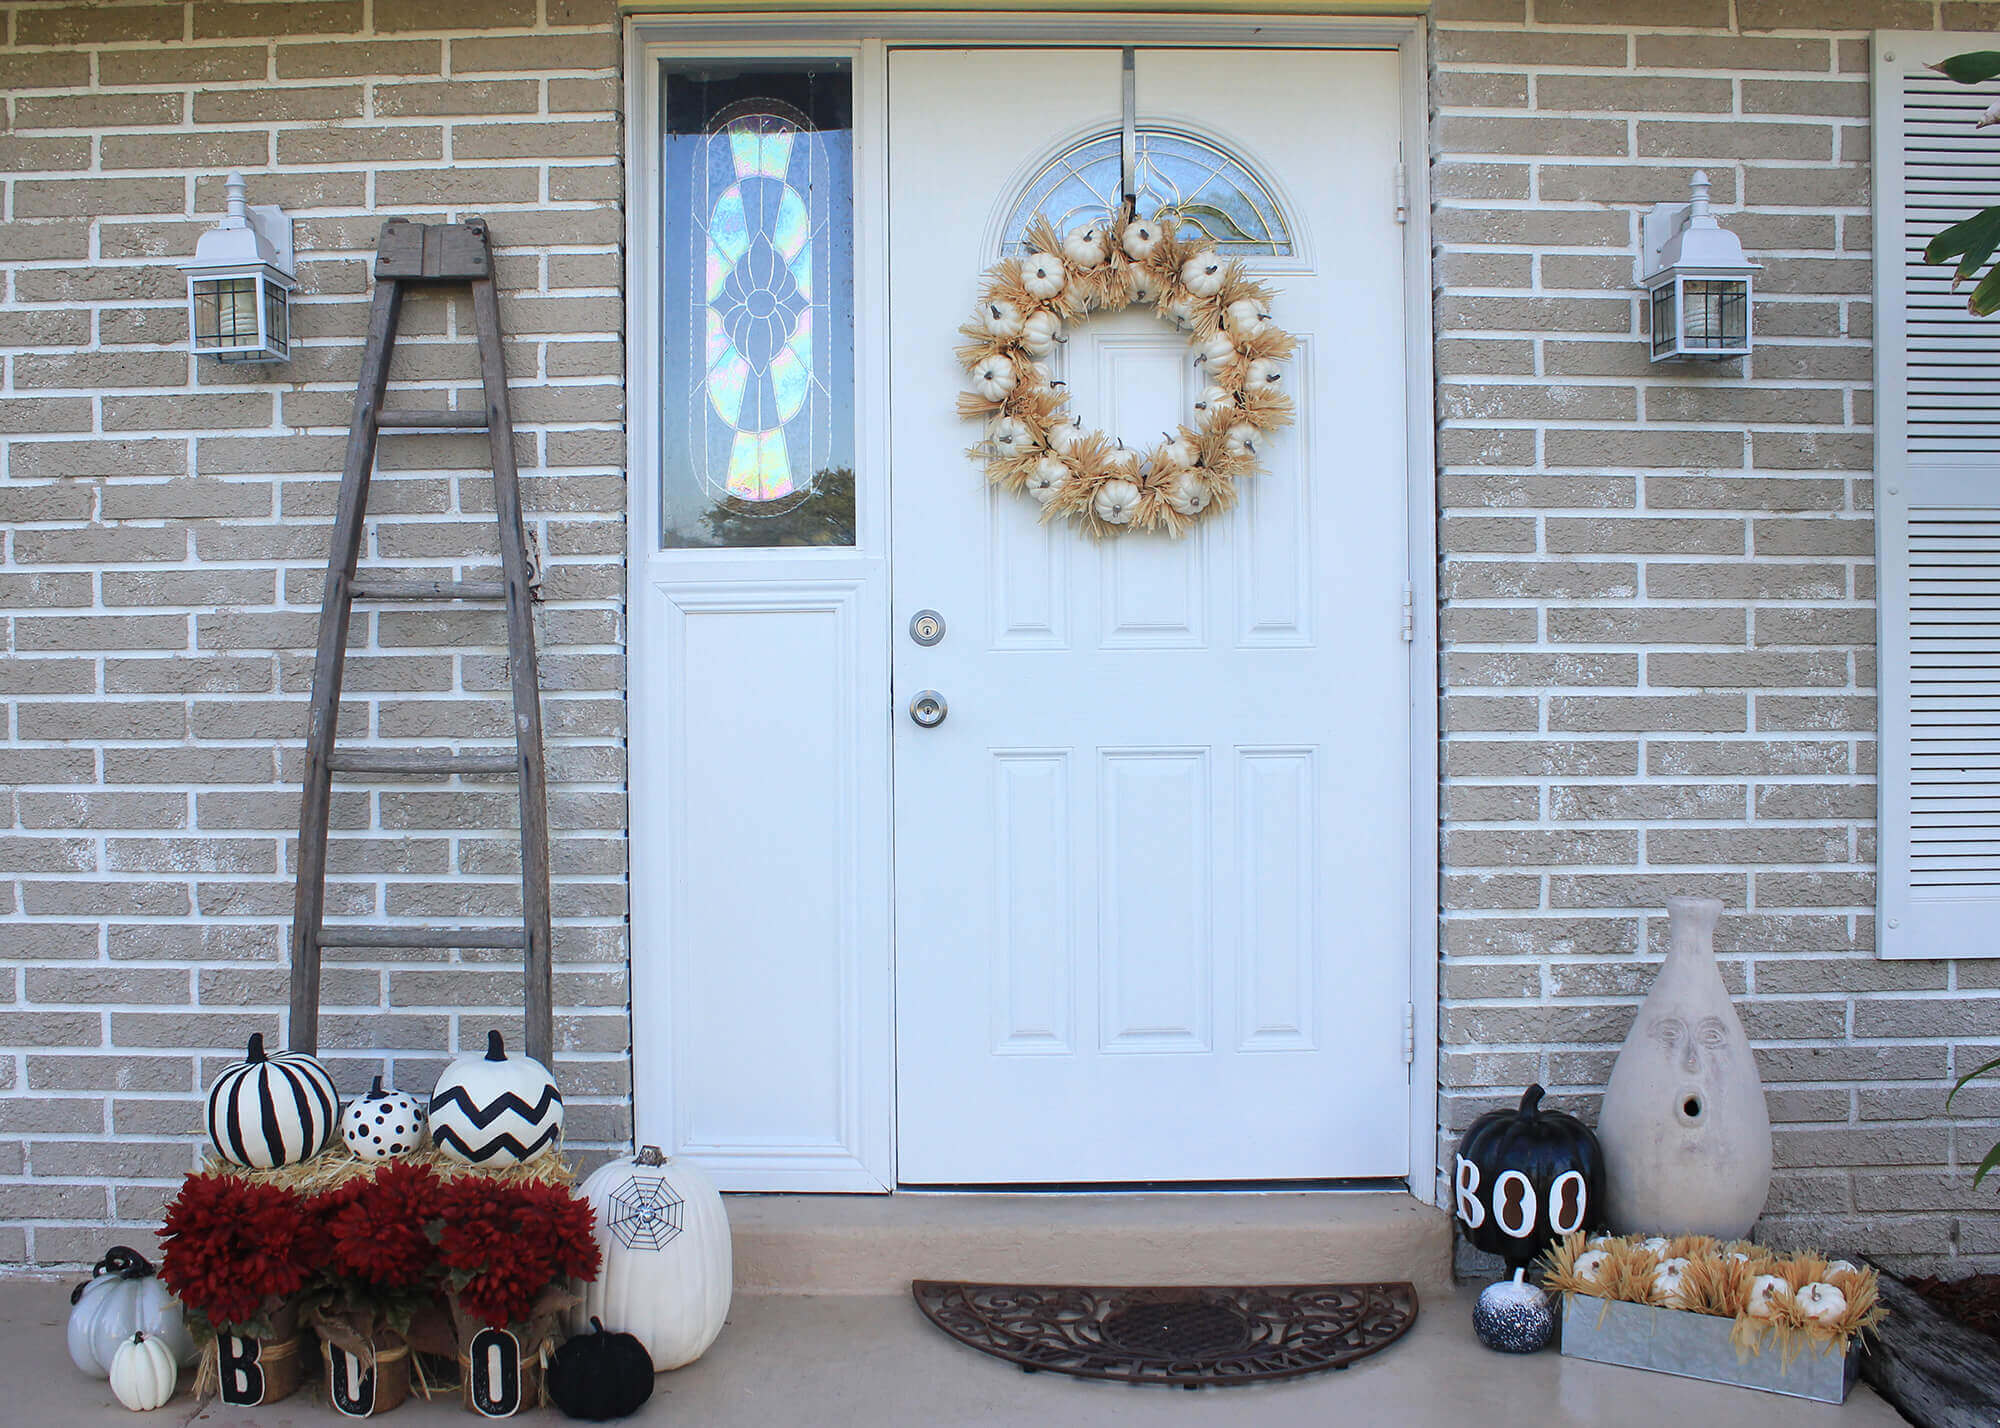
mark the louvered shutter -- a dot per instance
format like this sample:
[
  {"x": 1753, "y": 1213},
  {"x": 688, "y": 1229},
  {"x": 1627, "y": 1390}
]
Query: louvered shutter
[{"x": 1937, "y": 514}]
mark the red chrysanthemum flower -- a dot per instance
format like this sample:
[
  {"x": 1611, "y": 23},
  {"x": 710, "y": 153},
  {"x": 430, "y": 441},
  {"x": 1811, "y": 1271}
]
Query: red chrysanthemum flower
[
  {"x": 508, "y": 1241},
  {"x": 229, "y": 1245}
]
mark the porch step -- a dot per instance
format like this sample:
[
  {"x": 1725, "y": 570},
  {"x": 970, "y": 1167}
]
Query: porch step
[{"x": 876, "y": 1244}]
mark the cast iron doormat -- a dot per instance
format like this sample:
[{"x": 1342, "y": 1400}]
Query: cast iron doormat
[{"x": 1192, "y": 1337}]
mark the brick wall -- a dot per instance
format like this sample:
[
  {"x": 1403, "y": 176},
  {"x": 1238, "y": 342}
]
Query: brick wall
[
  {"x": 166, "y": 526},
  {"x": 1658, "y": 586}
]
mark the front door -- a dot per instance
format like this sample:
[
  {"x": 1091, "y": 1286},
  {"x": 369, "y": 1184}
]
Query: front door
[{"x": 1152, "y": 871}]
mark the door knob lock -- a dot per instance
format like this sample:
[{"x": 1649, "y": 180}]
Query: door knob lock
[
  {"x": 928, "y": 709},
  {"x": 927, "y": 627}
]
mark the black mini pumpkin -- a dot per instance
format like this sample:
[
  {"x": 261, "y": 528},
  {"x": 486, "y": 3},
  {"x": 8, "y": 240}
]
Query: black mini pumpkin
[
  {"x": 1524, "y": 1178},
  {"x": 601, "y": 1375}
]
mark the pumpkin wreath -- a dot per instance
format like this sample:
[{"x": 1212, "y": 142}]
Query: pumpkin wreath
[{"x": 1034, "y": 443}]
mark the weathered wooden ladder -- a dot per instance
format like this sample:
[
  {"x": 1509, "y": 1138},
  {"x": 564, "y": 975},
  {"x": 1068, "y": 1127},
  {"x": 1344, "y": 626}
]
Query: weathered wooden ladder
[{"x": 429, "y": 255}]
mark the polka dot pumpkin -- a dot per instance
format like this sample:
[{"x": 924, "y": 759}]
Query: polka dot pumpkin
[{"x": 383, "y": 1123}]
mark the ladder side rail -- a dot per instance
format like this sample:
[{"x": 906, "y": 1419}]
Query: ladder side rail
[
  {"x": 538, "y": 968},
  {"x": 309, "y": 904}
]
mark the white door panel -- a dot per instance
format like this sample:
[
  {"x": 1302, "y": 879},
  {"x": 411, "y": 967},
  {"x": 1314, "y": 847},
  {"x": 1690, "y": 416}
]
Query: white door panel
[{"x": 1152, "y": 885}]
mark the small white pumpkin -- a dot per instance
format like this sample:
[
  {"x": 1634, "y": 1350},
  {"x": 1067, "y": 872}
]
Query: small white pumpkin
[
  {"x": 1187, "y": 494},
  {"x": 1241, "y": 440},
  {"x": 1218, "y": 351},
  {"x": 1590, "y": 1265},
  {"x": 1002, "y": 318},
  {"x": 1140, "y": 238},
  {"x": 1842, "y": 1266},
  {"x": 1202, "y": 273},
  {"x": 1114, "y": 502},
  {"x": 1042, "y": 275},
  {"x": 1041, "y": 332},
  {"x": 1262, "y": 373},
  {"x": 1764, "y": 1292},
  {"x": 383, "y": 1123},
  {"x": 143, "y": 1373},
  {"x": 1046, "y": 480},
  {"x": 1012, "y": 437},
  {"x": 495, "y": 1109},
  {"x": 1656, "y": 1243},
  {"x": 1181, "y": 311},
  {"x": 1086, "y": 247},
  {"x": 1216, "y": 399},
  {"x": 667, "y": 1273},
  {"x": 122, "y": 1297},
  {"x": 1823, "y": 1303},
  {"x": 994, "y": 377},
  {"x": 1064, "y": 435},
  {"x": 1180, "y": 452},
  {"x": 1142, "y": 285},
  {"x": 1667, "y": 1279},
  {"x": 1243, "y": 317},
  {"x": 1123, "y": 459}
]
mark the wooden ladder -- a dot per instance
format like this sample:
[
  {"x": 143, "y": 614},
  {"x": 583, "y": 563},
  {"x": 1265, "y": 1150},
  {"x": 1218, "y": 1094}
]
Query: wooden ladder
[{"x": 429, "y": 255}]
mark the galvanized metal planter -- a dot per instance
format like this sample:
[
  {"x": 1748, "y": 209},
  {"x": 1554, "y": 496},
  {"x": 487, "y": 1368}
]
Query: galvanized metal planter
[{"x": 1674, "y": 1341}]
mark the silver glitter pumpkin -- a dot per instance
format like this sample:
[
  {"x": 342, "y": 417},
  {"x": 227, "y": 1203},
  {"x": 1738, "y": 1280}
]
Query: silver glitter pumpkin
[{"x": 1514, "y": 1316}]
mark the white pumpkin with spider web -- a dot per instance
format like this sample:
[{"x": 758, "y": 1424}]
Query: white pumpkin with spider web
[{"x": 669, "y": 1269}]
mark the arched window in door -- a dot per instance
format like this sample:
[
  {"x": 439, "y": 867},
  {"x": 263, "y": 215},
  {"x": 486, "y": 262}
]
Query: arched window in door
[{"x": 1215, "y": 193}]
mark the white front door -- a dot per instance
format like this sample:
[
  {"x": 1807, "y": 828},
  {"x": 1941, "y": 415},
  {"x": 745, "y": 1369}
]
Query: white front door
[{"x": 1152, "y": 871}]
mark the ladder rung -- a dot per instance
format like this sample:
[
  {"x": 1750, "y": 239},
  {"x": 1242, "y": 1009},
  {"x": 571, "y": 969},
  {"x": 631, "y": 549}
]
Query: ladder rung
[
  {"x": 417, "y": 761},
  {"x": 428, "y": 590},
  {"x": 473, "y": 421},
  {"x": 341, "y": 935}
]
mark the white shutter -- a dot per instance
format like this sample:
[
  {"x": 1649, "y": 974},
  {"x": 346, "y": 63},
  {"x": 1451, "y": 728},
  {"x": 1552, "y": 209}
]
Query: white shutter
[{"x": 1937, "y": 371}]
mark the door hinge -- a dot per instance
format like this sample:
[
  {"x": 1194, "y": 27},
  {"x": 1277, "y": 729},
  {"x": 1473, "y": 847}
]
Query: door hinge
[
  {"x": 1409, "y": 612},
  {"x": 1402, "y": 192},
  {"x": 1409, "y": 1033}
]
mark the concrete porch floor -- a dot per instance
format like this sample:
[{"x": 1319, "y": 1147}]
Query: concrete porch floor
[{"x": 869, "y": 1360}]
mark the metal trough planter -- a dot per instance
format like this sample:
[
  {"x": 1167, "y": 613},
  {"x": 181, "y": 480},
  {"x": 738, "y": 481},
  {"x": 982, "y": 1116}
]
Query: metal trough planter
[{"x": 1646, "y": 1336}]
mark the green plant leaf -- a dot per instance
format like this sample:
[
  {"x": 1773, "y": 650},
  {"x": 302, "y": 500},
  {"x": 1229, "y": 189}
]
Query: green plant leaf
[
  {"x": 1975, "y": 237},
  {"x": 1975, "y": 1071},
  {"x": 1992, "y": 1159},
  {"x": 1985, "y": 298},
  {"x": 1974, "y": 67}
]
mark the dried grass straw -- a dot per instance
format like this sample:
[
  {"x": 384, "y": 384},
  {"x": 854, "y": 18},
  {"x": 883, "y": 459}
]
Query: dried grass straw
[{"x": 337, "y": 1165}]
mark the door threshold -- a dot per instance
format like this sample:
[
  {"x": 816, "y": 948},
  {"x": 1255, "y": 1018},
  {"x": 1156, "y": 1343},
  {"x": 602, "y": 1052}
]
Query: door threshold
[{"x": 1343, "y": 1186}]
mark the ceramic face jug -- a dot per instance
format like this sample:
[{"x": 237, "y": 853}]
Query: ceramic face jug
[{"x": 1686, "y": 1136}]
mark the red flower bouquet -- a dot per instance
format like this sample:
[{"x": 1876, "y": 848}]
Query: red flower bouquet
[
  {"x": 505, "y": 1244},
  {"x": 377, "y": 1290},
  {"x": 234, "y": 1250}
]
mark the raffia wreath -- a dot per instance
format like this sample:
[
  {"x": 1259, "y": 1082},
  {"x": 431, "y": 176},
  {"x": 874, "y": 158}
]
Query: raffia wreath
[{"x": 1033, "y": 443}]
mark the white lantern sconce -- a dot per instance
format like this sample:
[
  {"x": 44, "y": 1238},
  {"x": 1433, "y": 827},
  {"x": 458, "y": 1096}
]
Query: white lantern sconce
[
  {"x": 240, "y": 284},
  {"x": 1698, "y": 281}
]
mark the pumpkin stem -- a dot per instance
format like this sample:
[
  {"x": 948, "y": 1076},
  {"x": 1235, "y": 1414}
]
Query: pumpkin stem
[
  {"x": 375, "y": 1088},
  {"x": 1531, "y": 1101},
  {"x": 256, "y": 1050},
  {"x": 596, "y": 1324},
  {"x": 1521, "y": 1275},
  {"x": 496, "y": 1050},
  {"x": 649, "y": 1156}
]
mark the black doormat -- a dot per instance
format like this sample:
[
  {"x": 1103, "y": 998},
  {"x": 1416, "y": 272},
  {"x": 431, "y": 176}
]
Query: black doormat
[{"x": 1190, "y": 1337}]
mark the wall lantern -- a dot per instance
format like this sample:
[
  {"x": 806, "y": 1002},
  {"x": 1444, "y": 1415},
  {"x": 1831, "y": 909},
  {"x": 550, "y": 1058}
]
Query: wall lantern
[
  {"x": 240, "y": 284},
  {"x": 1698, "y": 279}
]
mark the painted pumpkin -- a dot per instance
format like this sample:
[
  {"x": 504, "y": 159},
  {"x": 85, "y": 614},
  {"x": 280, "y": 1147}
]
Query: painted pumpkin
[
  {"x": 601, "y": 1375},
  {"x": 495, "y": 1109},
  {"x": 668, "y": 1266},
  {"x": 123, "y": 1297},
  {"x": 383, "y": 1123},
  {"x": 265, "y": 1111},
  {"x": 143, "y": 1373},
  {"x": 1524, "y": 1178}
]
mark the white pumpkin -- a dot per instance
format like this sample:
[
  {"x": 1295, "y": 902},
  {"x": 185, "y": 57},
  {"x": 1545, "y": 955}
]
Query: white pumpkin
[
  {"x": 1123, "y": 459},
  {"x": 1142, "y": 285},
  {"x": 1042, "y": 275},
  {"x": 1187, "y": 494},
  {"x": 1263, "y": 373},
  {"x": 1202, "y": 274},
  {"x": 994, "y": 377},
  {"x": 143, "y": 1373},
  {"x": 1218, "y": 351},
  {"x": 1041, "y": 332},
  {"x": 1243, "y": 317},
  {"x": 1064, "y": 435},
  {"x": 1180, "y": 452},
  {"x": 668, "y": 1268},
  {"x": 1216, "y": 399},
  {"x": 383, "y": 1123},
  {"x": 1181, "y": 311},
  {"x": 1001, "y": 317},
  {"x": 266, "y": 1111},
  {"x": 124, "y": 1297},
  {"x": 1086, "y": 247},
  {"x": 1764, "y": 1292},
  {"x": 1842, "y": 1266},
  {"x": 1046, "y": 480},
  {"x": 1656, "y": 1243},
  {"x": 1012, "y": 437},
  {"x": 1667, "y": 1280},
  {"x": 1140, "y": 238},
  {"x": 1822, "y": 1303},
  {"x": 495, "y": 1109},
  {"x": 1241, "y": 440},
  {"x": 1114, "y": 502},
  {"x": 1590, "y": 1264}
]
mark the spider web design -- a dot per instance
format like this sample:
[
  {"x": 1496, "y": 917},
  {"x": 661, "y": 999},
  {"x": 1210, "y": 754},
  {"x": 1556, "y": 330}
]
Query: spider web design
[{"x": 645, "y": 1213}]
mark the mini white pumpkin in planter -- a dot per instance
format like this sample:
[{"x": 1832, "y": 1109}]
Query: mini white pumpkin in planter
[
  {"x": 143, "y": 1373},
  {"x": 123, "y": 1297},
  {"x": 668, "y": 1265}
]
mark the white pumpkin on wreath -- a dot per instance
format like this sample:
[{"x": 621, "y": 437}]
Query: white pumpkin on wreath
[{"x": 1034, "y": 445}]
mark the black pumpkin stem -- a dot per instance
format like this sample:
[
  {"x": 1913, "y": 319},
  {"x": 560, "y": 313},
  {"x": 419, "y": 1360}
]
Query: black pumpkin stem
[
  {"x": 596, "y": 1325},
  {"x": 1531, "y": 1101},
  {"x": 256, "y": 1049},
  {"x": 496, "y": 1049},
  {"x": 375, "y": 1089},
  {"x": 120, "y": 1261}
]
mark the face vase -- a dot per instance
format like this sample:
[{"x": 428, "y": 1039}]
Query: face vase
[
  {"x": 1042, "y": 275},
  {"x": 1115, "y": 502}
]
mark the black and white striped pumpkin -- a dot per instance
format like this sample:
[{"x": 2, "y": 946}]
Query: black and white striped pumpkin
[
  {"x": 265, "y": 1111},
  {"x": 495, "y": 1109}
]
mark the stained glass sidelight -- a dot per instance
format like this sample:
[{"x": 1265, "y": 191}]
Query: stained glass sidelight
[
  {"x": 1216, "y": 194},
  {"x": 757, "y": 418}
]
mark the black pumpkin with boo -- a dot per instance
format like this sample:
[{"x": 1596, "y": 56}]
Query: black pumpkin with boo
[
  {"x": 601, "y": 1375},
  {"x": 1523, "y": 1179}
]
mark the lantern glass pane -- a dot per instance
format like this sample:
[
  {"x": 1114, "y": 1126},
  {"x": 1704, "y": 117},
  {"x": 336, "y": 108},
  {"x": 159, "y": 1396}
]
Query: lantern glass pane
[
  {"x": 225, "y": 313},
  {"x": 277, "y": 330},
  {"x": 1716, "y": 314},
  {"x": 1665, "y": 320}
]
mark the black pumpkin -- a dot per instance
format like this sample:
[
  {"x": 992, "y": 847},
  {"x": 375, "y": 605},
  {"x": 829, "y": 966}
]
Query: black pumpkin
[
  {"x": 601, "y": 1375},
  {"x": 1523, "y": 1179}
]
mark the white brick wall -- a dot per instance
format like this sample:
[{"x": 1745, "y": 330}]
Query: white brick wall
[
  {"x": 1658, "y": 583},
  {"x": 166, "y": 528}
]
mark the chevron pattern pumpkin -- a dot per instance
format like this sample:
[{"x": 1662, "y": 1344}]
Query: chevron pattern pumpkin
[
  {"x": 495, "y": 1109},
  {"x": 265, "y": 1111}
]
